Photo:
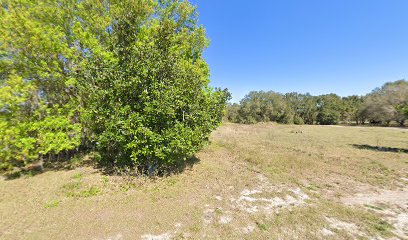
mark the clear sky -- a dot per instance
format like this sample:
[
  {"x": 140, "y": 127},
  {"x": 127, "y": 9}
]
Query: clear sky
[{"x": 317, "y": 46}]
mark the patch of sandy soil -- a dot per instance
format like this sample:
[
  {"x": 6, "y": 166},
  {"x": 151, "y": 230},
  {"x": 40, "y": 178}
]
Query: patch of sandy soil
[
  {"x": 235, "y": 204},
  {"x": 254, "y": 200},
  {"x": 341, "y": 225},
  {"x": 326, "y": 232},
  {"x": 263, "y": 198},
  {"x": 165, "y": 236},
  {"x": 248, "y": 229},
  {"x": 391, "y": 204}
]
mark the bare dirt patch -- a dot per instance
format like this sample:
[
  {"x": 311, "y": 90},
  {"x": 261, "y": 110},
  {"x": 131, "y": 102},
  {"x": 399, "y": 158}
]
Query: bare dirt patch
[
  {"x": 164, "y": 236},
  {"x": 392, "y": 205},
  {"x": 264, "y": 198}
]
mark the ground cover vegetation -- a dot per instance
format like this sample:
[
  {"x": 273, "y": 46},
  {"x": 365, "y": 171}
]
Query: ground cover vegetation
[
  {"x": 124, "y": 78},
  {"x": 259, "y": 181},
  {"x": 385, "y": 105}
]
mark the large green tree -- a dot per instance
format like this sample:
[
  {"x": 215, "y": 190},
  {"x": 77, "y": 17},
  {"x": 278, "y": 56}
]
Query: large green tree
[
  {"x": 38, "y": 99},
  {"x": 129, "y": 73},
  {"x": 329, "y": 109},
  {"x": 387, "y": 103},
  {"x": 264, "y": 107},
  {"x": 351, "y": 107},
  {"x": 304, "y": 107}
]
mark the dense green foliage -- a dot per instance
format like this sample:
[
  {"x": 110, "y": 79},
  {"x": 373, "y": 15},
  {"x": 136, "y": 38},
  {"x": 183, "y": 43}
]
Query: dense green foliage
[
  {"x": 387, "y": 104},
  {"x": 29, "y": 128},
  {"x": 329, "y": 108},
  {"x": 124, "y": 77},
  {"x": 382, "y": 106}
]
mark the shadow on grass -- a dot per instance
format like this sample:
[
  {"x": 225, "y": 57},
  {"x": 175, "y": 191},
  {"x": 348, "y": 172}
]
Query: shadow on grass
[
  {"x": 20, "y": 173},
  {"x": 187, "y": 164},
  {"x": 141, "y": 171},
  {"x": 87, "y": 160},
  {"x": 62, "y": 164},
  {"x": 380, "y": 149}
]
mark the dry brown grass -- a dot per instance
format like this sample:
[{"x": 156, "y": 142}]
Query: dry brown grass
[{"x": 261, "y": 181}]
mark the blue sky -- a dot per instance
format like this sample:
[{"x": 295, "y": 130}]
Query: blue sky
[{"x": 317, "y": 46}]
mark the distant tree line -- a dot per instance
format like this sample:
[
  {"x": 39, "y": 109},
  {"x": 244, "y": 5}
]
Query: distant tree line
[{"x": 382, "y": 106}]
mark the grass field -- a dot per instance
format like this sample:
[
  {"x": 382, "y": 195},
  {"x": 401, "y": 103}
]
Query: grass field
[{"x": 261, "y": 181}]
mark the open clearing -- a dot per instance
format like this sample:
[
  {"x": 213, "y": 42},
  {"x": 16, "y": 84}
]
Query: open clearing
[{"x": 261, "y": 181}]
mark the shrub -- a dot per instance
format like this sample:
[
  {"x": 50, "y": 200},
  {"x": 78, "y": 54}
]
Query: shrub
[
  {"x": 125, "y": 77},
  {"x": 298, "y": 120},
  {"x": 29, "y": 129}
]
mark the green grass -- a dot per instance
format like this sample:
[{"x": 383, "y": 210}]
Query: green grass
[
  {"x": 77, "y": 176},
  {"x": 323, "y": 162},
  {"x": 77, "y": 189},
  {"x": 373, "y": 207},
  {"x": 262, "y": 226},
  {"x": 52, "y": 204},
  {"x": 72, "y": 186},
  {"x": 90, "y": 192}
]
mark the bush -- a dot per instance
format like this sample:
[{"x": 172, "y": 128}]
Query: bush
[
  {"x": 124, "y": 77},
  {"x": 160, "y": 109},
  {"x": 298, "y": 120},
  {"x": 30, "y": 130}
]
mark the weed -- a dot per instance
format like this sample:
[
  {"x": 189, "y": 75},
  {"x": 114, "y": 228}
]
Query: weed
[
  {"x": 373, "y": 207},
  {"x": 313, "y": 187},
  {"x": 382, "y": 226},
  {"x": 90, "y": 192},
  {"x": 218, "y": 211},
  {"x": 77, "y": 176},
  {"x": 378, "y": 225},
  {"x": 52, "y": 204},
  {"x": 171, "y": 181},
  {"x": 72, "y": 186},
  {"x": 195, "y": 228},
  {"x": 262, "y": 226},
  {"x": 105, "y": 180},
  {"x": 127, "y": 186}
]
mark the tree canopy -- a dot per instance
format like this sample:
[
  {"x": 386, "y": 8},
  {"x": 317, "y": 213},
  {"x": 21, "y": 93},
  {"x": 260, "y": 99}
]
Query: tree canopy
[
  {"x": 388, "y": 103},
  {"x": 124, "y": 77},
  {"x": 382, "y": 106}
]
